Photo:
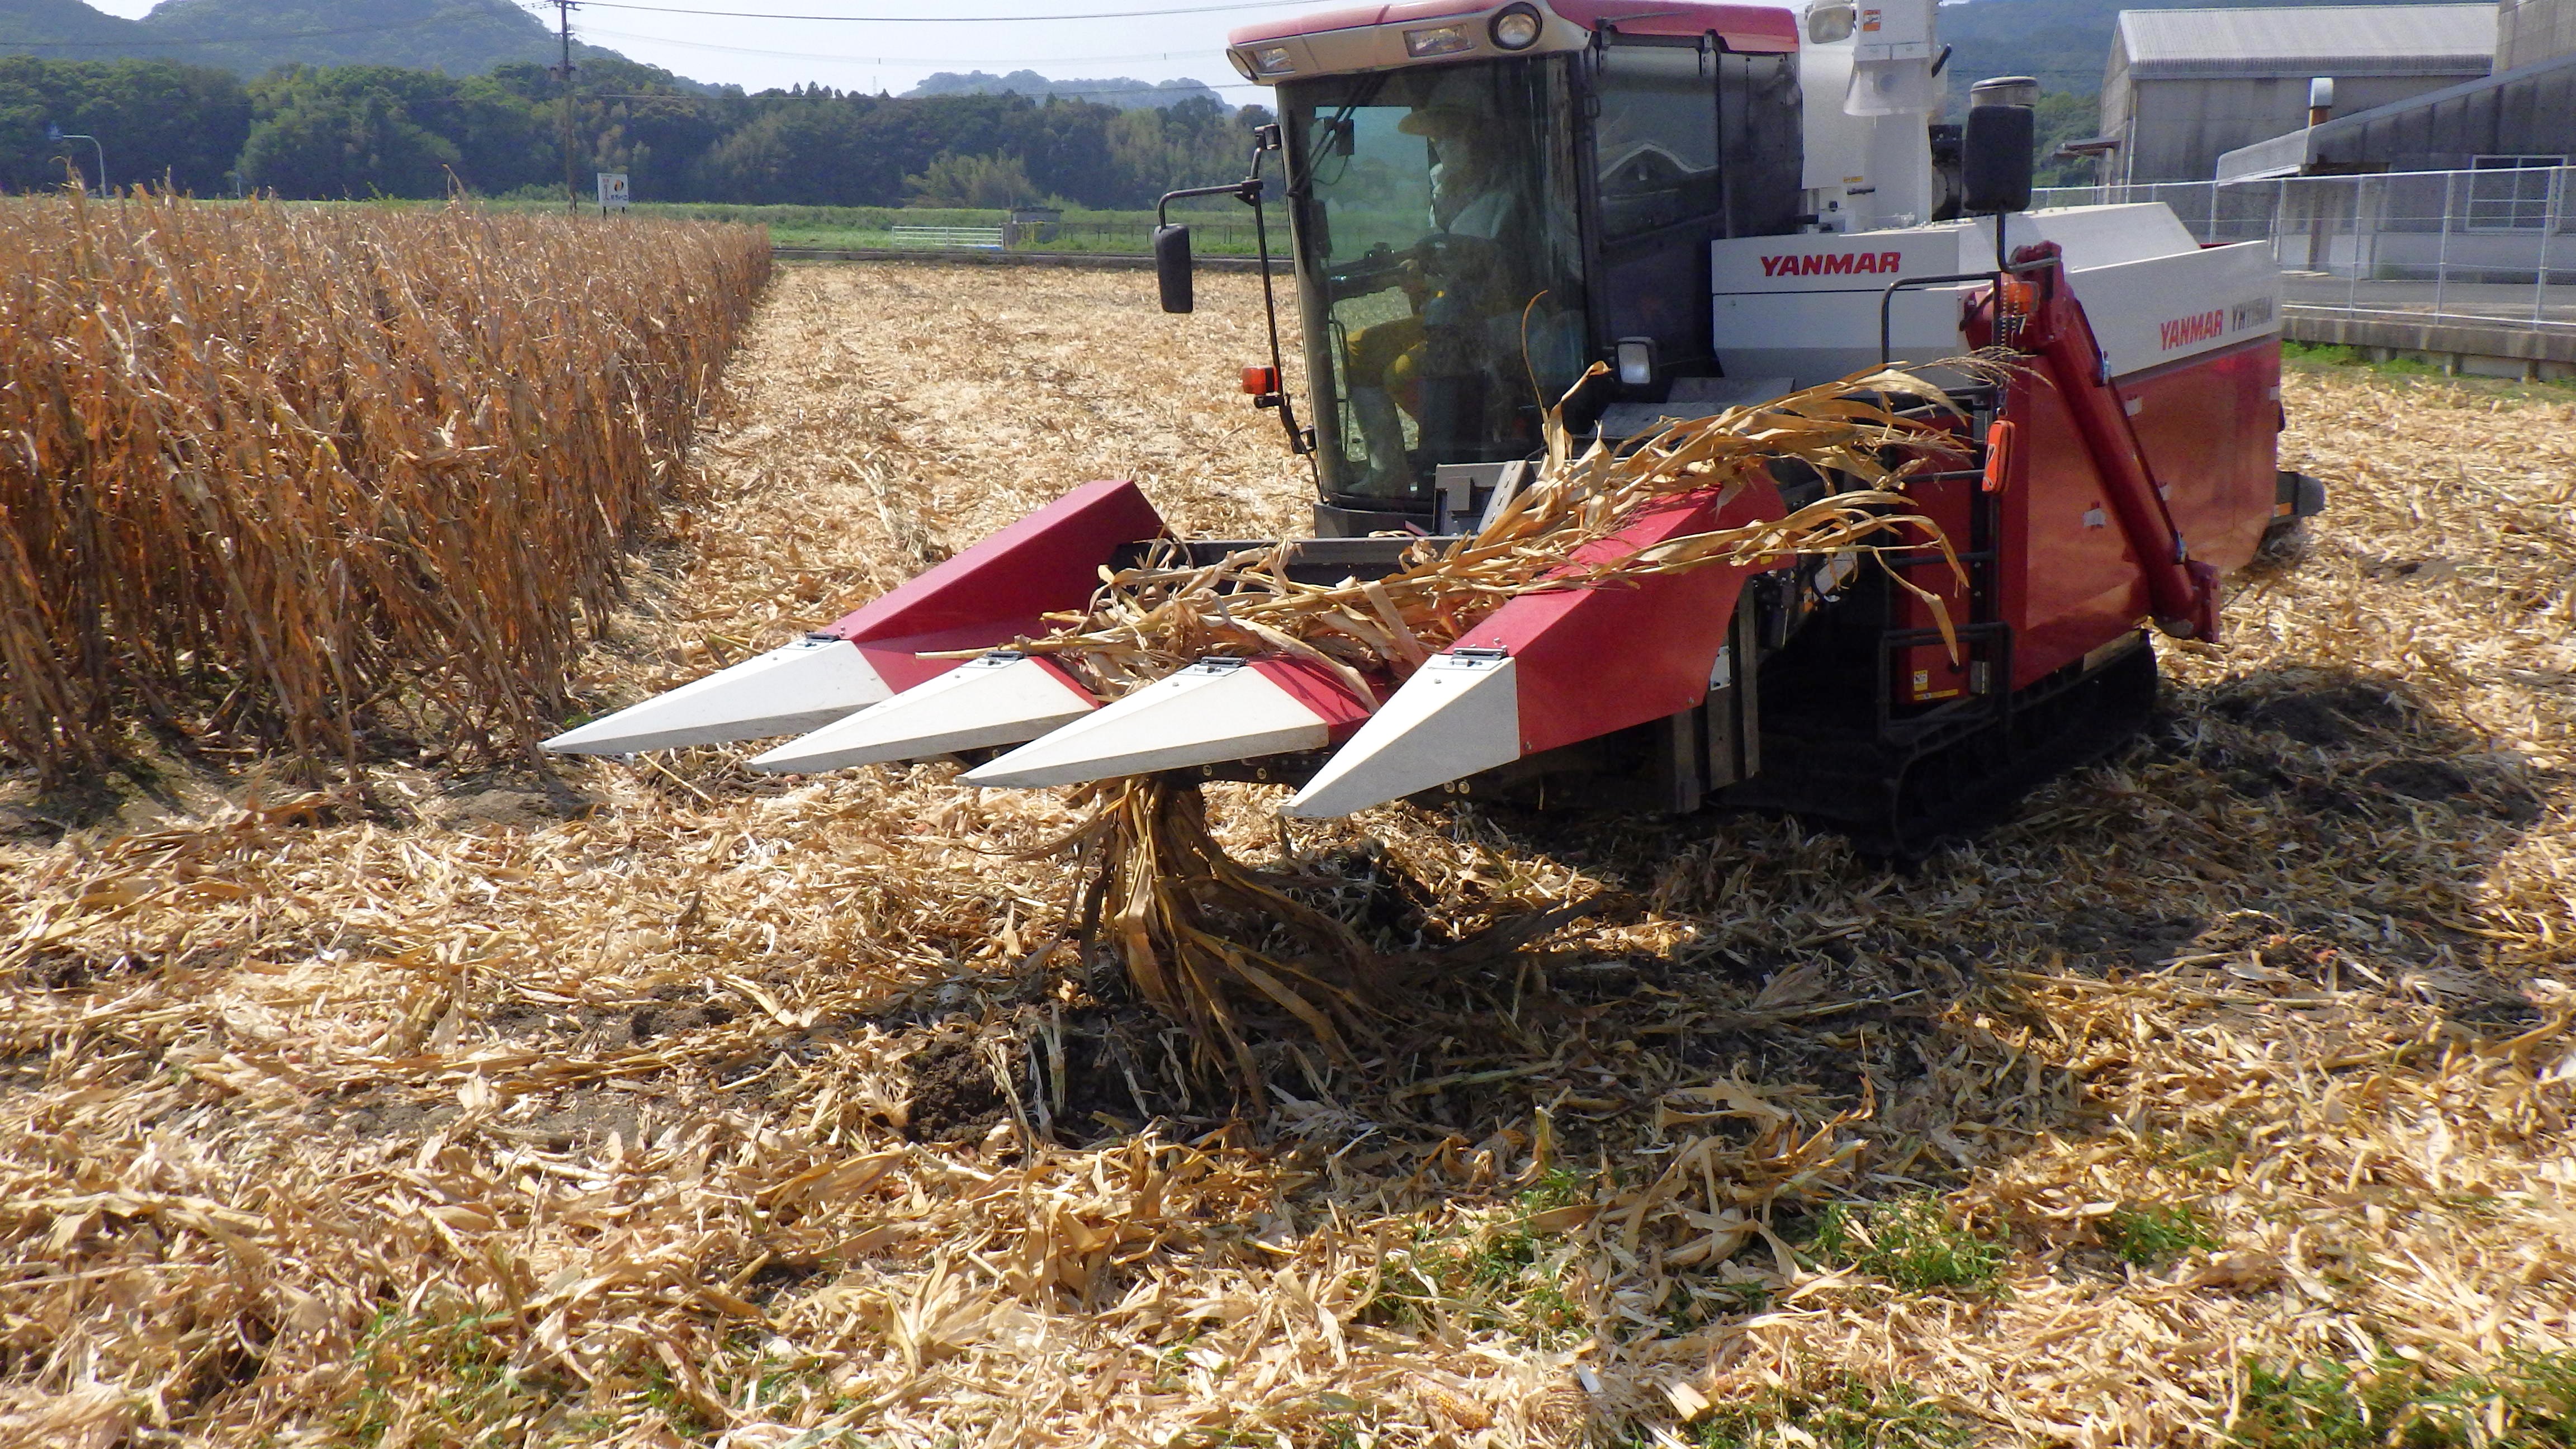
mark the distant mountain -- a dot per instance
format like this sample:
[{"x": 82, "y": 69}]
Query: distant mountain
[
  {"x": 251, "y": 37},
  {"x": 85, "y": 29},
  {"x": 1122, "y": 92},
  {"x": 2063, "y": 44}
]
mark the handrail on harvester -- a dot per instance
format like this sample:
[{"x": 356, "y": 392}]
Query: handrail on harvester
[
  {"x": 1265, "y": 139},
  {"x": 1887, "y": 295}
]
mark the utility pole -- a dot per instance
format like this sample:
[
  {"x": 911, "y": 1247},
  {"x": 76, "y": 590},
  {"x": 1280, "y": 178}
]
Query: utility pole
[{"x": 563, "y": 29}]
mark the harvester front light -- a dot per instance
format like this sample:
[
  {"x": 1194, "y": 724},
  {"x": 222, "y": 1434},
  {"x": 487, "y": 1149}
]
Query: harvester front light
[
  {"x": 1272, "y": 59},
  {"x": 1636, "y": 360},
  {"x": 1438, "y": 40},
  {"x": 1515, "y": 29}
]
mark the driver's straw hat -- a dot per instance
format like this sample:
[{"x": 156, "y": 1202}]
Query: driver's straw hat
[
  {"x": 1453, "y": 108},
  {"x": 1439, "y": 122}
]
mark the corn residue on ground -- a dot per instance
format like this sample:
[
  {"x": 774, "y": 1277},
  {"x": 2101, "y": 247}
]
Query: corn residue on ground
[{"x": 2222, "y": 1094}]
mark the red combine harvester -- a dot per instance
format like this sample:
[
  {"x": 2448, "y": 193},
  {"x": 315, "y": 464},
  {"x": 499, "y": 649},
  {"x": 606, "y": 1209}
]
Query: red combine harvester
[{"x": 1722, "y": 203}]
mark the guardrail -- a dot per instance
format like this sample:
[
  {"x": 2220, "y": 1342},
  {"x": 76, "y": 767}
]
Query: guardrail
[
  {"x": 1220, "y": 235},
  {"x": 982, "y": 238},
  {"x": 2493, "y": 245},
  {"x": 1014, "y": 257}
]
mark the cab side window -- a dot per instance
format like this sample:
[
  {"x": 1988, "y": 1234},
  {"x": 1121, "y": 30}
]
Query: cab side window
[{"x": 1655, "y": 143}]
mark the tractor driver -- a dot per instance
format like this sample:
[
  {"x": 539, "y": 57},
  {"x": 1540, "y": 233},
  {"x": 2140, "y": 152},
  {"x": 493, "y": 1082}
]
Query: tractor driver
[{"x": 1450, "y": 281}]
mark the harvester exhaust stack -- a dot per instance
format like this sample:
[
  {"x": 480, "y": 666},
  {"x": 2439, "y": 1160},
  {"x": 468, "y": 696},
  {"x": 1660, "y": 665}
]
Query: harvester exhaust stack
[
  {"x": 1214, "y": 711},
  {"x": 812, "y": 682},
  {"x": 1458, "y": 714},
  {"x": 1004, "y": 698}
]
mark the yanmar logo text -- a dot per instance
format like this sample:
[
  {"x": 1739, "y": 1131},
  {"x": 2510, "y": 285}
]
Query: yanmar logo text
[
  {"x": 1835, "y": 264},
  {"x": 2198, "y": 327}
]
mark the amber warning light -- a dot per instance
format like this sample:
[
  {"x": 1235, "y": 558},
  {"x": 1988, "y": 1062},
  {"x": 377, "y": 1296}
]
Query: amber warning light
[{"x": 1260, "y": 381}]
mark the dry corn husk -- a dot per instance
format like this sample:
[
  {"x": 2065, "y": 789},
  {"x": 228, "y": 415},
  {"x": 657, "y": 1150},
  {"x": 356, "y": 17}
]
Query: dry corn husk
[
  {"x": 1152, "y": 620},
  {"x": 1195, "y": 930}
]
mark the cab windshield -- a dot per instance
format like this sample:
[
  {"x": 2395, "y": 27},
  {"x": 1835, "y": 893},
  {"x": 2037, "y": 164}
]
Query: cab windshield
[{"x": 1440, "y": 265}]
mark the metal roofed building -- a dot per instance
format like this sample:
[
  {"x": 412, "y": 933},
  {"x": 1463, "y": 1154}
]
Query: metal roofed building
[
  {"x": 2184, "y": 86},
  {"x": 2522, "y": 117}
]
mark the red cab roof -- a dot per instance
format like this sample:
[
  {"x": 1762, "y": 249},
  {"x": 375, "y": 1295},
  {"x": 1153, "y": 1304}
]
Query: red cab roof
[{"x": 1758, "y": 29}]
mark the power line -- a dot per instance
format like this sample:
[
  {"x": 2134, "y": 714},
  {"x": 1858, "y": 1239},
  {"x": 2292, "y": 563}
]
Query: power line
[{"x": 952, "y": 19}]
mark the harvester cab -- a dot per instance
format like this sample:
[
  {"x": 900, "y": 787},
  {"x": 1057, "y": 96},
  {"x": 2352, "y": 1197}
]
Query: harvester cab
[
  {"x": 1642, "y": 216},
  {"x": 1487, "y": 200}
]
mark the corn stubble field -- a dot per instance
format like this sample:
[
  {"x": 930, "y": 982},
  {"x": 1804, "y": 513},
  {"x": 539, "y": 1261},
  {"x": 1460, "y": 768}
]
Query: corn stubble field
[{"x": 2222, "y": 1094}]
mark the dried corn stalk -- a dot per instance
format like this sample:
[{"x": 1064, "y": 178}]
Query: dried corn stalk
[
  {"x": 1161, "y": 888},
  {"x": 1151, "y": 620},
  {"x": 284, "y": 472}
]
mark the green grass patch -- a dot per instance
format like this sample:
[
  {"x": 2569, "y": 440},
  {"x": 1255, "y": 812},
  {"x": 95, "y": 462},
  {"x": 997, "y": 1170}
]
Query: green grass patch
[
  {"x": 2215, "y": 1152},
  {"x": 2323, "y": 356},
  {"x": 1911, "y": 1242},
  {"x": 2154, "y": 1233},
  {"x": 1222, "y": 229},
  {"x": 1846, "y": 1413},
  {"x": 2329, "y": 354},
  {"x": 2393, "y": 1403},
  {"x": 1120, "y": 240},
  {"x": 663, "y": 1393},
  {"x": 1558, "y": 1187},
  {"x": 448, "y": 1375},
  {"x": 1503, "y": 1276},
  {"x": 1225, "y": 232}
]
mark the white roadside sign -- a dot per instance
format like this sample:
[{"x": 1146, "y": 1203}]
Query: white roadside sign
[{"x": 612, "y": 189}]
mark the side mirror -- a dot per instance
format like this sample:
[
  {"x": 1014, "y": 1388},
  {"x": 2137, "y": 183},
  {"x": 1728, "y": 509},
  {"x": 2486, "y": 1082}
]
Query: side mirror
[
  {"x": 1172, "y": 267},
  {"x": 1343, "y": 137},
  {"x": 1996, "y": 159}
]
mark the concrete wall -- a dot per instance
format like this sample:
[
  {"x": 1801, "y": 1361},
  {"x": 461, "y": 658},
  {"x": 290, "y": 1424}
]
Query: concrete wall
[
  {"x": 2175, "y": 130},
  {"x": 2479, "y": 349}
]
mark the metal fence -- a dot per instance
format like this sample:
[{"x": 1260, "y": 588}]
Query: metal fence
[
  {"x": 984, "y": 238},
  {"x": 2492, "y": 243},
  {"x": 1227, "y": 237}
]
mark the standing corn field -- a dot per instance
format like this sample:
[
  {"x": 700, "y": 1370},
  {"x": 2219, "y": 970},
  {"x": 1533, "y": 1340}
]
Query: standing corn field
[{"x": 289, "y": 473}]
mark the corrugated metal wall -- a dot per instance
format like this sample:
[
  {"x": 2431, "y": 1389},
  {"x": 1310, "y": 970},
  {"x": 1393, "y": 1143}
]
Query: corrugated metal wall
[
  {"x": 2175, "y": 130},
  {"x": 2534, "y": 31},
  {"x": 2515, "y": 115}
]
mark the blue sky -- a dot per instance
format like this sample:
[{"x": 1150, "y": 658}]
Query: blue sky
[{"x": 855, "y": 55}]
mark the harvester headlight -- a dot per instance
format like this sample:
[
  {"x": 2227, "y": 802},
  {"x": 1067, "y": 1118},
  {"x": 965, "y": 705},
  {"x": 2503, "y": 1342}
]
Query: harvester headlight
[
  {"x": 1636, "y": 361},
  {"x": 1515, "y": 29},
  {"x": 1438, "y": 40},
  {"x": 1272, "y": 59}
]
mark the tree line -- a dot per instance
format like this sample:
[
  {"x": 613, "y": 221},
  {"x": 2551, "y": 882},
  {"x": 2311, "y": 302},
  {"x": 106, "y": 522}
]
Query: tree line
[{"x": 356, "y": 131}]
